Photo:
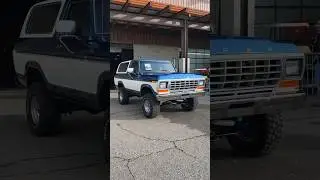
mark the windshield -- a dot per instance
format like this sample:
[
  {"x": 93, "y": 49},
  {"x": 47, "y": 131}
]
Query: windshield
[{"x": 156, "y": 67}]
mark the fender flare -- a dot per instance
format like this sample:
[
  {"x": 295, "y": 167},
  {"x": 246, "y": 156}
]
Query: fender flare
[
  {"x": 36, "y": 66},
  {"x": 149, "y": 87}
]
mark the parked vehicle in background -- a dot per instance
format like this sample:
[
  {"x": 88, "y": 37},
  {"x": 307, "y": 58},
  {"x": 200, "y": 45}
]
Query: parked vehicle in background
[
  {"x": 252, "y": 81},
  {"x": 62, "y": 59},
  {"x": 158, "y": 83}
]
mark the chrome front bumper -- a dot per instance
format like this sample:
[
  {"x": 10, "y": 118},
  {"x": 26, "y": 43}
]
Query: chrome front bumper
[
  {"x": 180, "y": 96},
  {"x": 257, "y": 105}
]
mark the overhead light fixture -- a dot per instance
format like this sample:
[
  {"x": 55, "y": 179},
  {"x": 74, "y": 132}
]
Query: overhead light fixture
[
  {"x": 155, "y": 20},
  {"x": 138, "y": 18},
  {"x": 120, "y": 16},
  {"x": 193, "y": 25},
  {"x": 205, "y": 27}
]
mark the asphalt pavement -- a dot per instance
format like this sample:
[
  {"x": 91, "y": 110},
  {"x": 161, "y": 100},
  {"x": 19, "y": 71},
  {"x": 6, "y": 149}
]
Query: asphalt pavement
[
  {"x": 174, "y": 145},
  {"x": 76, "y": 153},
  {"x": 296, "y": 158}
]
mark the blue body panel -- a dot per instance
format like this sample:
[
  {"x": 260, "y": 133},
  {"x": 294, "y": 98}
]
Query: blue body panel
[
  {"x": 241, "y": 45},
  {"x": 166, "y": 76}
]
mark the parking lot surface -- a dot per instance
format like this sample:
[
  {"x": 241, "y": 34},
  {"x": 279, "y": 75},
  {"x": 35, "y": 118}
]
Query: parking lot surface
[
  {"x": 296, "y": 158},
  {"x": 75, "y": 154},
  {"x": 174, "y": 145}
]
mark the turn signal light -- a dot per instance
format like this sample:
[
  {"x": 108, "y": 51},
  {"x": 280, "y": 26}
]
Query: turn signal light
[
  {"x": 200, "y": 88},
  {"x": 289, "y": 84},
  {"x": 163, "y": 91}
]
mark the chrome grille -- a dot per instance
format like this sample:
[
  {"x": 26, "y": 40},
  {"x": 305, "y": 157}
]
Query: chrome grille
[
  {"x": 242, "y": 74},
  {"x": 183, "y": 85}
]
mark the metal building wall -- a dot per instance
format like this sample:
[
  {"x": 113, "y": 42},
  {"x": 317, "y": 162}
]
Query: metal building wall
[
  {"x": 129, "y": 34},
  {"x": 284, "y": 11}
]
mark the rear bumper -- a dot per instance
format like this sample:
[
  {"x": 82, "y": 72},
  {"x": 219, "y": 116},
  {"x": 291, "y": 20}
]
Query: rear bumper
[
  {"x": 258, "y": 105},
  {"x": 172, "y": 97}
]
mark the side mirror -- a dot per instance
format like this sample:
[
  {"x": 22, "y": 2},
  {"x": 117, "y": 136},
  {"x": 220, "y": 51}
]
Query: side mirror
[
  {"x": 66, "y": 26},
  {"x": 130, "y": 70}
]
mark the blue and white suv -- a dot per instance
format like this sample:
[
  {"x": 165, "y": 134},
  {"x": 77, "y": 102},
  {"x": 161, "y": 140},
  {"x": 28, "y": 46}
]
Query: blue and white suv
[{"x": 157, "y": 82}]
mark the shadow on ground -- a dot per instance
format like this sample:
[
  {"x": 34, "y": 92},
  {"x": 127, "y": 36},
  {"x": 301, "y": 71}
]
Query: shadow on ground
[
  {"x": 198, "y": 119},
  {"x": 76, "y": 153}
]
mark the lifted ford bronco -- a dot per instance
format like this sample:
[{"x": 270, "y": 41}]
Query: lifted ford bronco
[
  {"x": 248, "y": 91},
  {"x": 157, "y": 82},
  {"x": 62, "y": 58}
]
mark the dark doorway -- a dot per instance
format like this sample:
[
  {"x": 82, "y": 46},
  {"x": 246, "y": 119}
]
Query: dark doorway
[{"x": 12, "y": 18}]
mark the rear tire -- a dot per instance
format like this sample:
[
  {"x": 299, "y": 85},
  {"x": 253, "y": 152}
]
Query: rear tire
[
  {"x": 150, "y": 106},
  {"x": 265, "y": 134},
  {"x": 42, "y": 114},
  {"x": 123, "y": 96},
  {"x": 190, "y": 104}
]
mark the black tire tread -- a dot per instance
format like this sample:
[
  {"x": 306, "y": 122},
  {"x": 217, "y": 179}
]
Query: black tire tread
[
  {"x": 49, "y": 120},
  {"x": 155, "y": 106},
  {"x": 269, "y": 138}
]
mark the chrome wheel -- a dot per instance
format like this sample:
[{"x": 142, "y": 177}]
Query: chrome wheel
[
  {"x": 147, "y": 106},
  {"x": 35, "y": 109}
]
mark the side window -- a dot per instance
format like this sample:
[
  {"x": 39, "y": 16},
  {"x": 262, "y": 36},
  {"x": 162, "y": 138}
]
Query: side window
[
  {"x": 123, "y": 67},
  {"x": 80, "y": 13},
  {"x": 135, "y": 66},
  {"x": 42, "y": 18}
]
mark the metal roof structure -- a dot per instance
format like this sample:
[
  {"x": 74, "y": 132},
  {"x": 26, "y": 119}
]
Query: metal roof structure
[{"x": 158, "y": 14}]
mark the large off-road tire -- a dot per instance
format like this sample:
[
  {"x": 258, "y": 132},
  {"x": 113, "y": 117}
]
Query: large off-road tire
[
  {"x": 259, "y": 137},
  {"x": 150, "y": 106},
  {"x": 123, "y": 96},
  {"x": 190, "y": 104},
  {"x": 42, "y": 114}
]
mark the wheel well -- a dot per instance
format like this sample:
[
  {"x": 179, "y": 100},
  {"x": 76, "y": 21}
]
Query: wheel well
[
  {"x": 120, "y": 84},
  {"x": 33, "y": 75},
  {"x": 145, "y": 90}
]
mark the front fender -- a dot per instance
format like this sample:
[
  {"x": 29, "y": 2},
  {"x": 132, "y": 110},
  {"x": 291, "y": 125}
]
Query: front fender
[{"x": 147, "y": 87}]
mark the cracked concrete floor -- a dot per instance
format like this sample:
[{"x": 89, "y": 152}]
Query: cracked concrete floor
[{"x": 175, "y": 145}]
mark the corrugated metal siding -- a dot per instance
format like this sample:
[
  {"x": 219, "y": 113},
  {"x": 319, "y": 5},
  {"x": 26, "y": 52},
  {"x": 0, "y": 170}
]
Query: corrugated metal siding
[
  {"x": 288, "y": 15},
  {"x": 264, "y": 2},
  {"x": 147, "y": 35}
]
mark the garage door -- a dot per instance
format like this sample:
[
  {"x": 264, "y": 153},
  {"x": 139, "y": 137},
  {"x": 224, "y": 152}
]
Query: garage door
[{"x": 155, "y": 51}]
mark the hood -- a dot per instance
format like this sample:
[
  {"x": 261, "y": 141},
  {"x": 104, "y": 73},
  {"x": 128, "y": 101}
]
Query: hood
[
  {"x": 239, "y": 45},
  {"x": 171, "y": 76},
  {"x": 178, "y": 76}
]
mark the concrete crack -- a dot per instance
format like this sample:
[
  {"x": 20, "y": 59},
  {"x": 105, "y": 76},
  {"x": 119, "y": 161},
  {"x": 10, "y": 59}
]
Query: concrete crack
[
  {"x": 164, "y": 140},
  {"x": 181, "y": 150},
  {"x": 158, "y": 139},
  {"x": 130, "y": 170}
]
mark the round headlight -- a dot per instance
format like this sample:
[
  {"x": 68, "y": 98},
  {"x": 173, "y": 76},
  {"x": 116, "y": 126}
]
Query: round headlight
[
  {"x": 163, "y": 85},
  {"x": 292, "y": 67},
  {"x": 201, "y": 83}
]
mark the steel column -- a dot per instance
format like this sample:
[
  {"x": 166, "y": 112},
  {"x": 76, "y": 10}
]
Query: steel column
[{"x": 184, "y": 43}]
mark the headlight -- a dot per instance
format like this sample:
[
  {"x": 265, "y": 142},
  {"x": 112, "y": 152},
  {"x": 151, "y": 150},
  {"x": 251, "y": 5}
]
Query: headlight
[
  {"x": 293, "y": 67},
  {"x": 163, "y": 85},
  {"x": 201, "y": 83}
]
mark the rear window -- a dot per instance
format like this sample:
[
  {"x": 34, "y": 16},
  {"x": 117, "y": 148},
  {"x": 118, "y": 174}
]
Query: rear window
[{"x": 123, "y": 67}]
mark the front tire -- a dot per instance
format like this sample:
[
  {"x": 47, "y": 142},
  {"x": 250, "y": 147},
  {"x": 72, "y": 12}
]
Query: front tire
[
  {"x": 262, "y": 136},
  {"x": 42, "y": 114},
  {"x": 123, "y": 96},
  {"x": 150, "y": 106},
  {"x": 190, "y": 104}
]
